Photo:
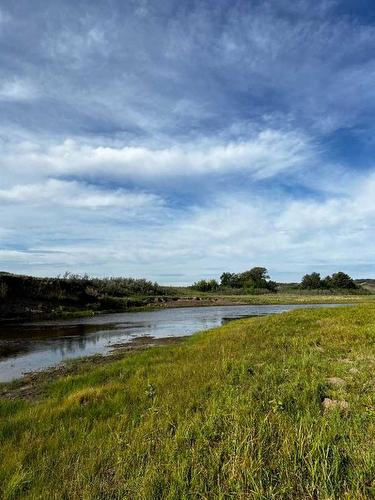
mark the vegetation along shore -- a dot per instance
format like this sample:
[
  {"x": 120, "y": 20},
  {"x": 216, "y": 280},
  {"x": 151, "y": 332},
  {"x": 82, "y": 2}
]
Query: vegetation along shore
[{"x": 28, "y": 297}]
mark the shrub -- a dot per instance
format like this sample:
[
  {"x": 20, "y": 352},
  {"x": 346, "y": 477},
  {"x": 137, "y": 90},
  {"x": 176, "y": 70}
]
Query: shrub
[{"x": 206, "y": 285}]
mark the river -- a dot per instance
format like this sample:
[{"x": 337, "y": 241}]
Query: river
[{"x": 39, "y": 345}]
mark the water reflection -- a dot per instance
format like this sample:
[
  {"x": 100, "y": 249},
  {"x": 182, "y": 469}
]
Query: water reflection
[{"x": 35, "y": 346}]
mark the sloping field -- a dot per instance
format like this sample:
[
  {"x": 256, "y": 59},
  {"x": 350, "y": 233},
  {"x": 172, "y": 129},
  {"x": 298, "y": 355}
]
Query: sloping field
[{"x": 263, "y": 408}]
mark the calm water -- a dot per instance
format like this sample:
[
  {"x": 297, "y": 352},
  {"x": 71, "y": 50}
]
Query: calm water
[{"x": 35, "y": 346}]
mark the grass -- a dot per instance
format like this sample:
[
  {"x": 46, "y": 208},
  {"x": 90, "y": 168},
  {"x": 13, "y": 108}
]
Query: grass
[
  {"x": 299, "y": 298},
  {"x": 230, "y": 413}
]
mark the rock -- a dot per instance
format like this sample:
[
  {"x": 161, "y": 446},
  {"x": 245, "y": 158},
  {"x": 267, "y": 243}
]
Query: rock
[
  {"x": 345, "y": 360},
  {"x": 336, "y": 381},
  {"x": 333, "y": 404},
  {"x": 354, "y": 371}
]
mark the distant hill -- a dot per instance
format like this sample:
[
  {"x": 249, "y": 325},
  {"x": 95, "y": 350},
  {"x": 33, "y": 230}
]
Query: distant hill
[{"x": 367, "y": 284}]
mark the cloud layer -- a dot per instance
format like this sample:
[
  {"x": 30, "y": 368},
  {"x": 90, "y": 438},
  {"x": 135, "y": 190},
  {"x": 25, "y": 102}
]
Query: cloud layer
[{"x": 176, "y": 140}]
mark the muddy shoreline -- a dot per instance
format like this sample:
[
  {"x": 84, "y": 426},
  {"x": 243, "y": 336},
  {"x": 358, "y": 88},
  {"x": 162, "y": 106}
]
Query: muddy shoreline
[{"x": 32, "y": 384}]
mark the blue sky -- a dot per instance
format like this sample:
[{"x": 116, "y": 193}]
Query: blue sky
[{"x": 174, "y": 140}]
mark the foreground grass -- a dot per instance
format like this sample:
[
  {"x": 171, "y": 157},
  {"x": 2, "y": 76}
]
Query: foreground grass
[{"x": 231, "y": 413}]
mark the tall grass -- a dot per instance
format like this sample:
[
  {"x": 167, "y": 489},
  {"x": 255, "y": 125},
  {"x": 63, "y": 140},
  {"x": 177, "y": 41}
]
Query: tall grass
[{"x": 230, "y": 413}]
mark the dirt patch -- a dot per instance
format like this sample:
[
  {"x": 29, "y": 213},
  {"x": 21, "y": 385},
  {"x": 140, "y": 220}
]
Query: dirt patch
[
  {"x": 336, "y": 381},
  {"x": 31, "y": 385}
]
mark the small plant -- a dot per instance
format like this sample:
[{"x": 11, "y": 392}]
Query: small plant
[
  {"x": 276, "y": 405},
  {"x": 150, "y": 391}
]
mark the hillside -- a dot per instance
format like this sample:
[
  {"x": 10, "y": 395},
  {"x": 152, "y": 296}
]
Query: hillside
[{"x": 367, "y": 284}]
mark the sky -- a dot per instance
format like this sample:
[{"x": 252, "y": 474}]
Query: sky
[{"x": 178, "y": 139}]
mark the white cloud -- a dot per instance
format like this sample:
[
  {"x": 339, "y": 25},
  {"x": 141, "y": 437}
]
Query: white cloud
[
  {"x": 268, "y": 153},
  {"x": 351, "y": 213},
  {"x": 77, "y": 195}
]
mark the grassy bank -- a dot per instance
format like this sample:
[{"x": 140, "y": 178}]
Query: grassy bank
[
  {"x": 235, "y": 412},
  {"x": 298, "y": 298}
]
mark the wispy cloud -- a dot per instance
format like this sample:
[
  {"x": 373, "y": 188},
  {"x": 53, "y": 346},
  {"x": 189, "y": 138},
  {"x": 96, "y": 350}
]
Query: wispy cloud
[{"x": 76, "y": 195}]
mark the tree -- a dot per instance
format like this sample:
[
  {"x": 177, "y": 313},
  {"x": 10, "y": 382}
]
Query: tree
[
  {"x": 231, "y": 280},
  {"x": 225, "y": 279},
  {"x": 338, "y": 280},
  {"x": 311, "y": 281},
  {"x": 256, "y": 277},
  {"x": 342, "y": 280},
  {"x": 327, "y": 282}
]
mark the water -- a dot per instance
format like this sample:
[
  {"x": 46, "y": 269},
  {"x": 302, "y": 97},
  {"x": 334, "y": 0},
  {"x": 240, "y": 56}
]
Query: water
[{"x": 39, "y": 345}]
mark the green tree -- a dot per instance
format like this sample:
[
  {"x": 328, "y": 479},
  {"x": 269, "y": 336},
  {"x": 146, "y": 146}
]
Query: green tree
[
  {"x": 255, "y": 278},
  {"x": 258, "y": 276},
  {"x": 231, "y": 280},
  {"x": 311, "y": 281},
  {"x": 327, "y": 282},
  {"x": 342, "y": 280}
]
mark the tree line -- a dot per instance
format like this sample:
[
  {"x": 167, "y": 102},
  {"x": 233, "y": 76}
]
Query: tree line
[
  {"x": 74, "y": 287},
  {"x": 257, "y": 279},
  {"x": 338, "y": 281}
]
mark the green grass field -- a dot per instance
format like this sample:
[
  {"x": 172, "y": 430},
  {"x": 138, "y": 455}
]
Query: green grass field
[{"x": 235, "y": 412}]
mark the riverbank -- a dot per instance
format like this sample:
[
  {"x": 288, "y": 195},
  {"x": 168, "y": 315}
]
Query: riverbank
[
  {"x": 35, "y": 346},
  {"x": 31, "y": 385},
  {"x": 275, "y": 407},
  {"x": 28, "y": 298},
  {"x": 200, "y": 300}
]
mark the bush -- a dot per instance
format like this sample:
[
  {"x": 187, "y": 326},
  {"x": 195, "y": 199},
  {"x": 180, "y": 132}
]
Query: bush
[
  {"x": 206, "y": 285},
  {"x": 121, "y": 287}
]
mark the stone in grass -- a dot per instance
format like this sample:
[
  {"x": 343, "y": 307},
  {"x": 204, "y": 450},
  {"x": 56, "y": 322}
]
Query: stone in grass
[
  {"x": 336, "y": 381},
  {"x": 333, "y": 404},
  {"x": 345, "y": 360},
  {"x": 354, "y": 370}
]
